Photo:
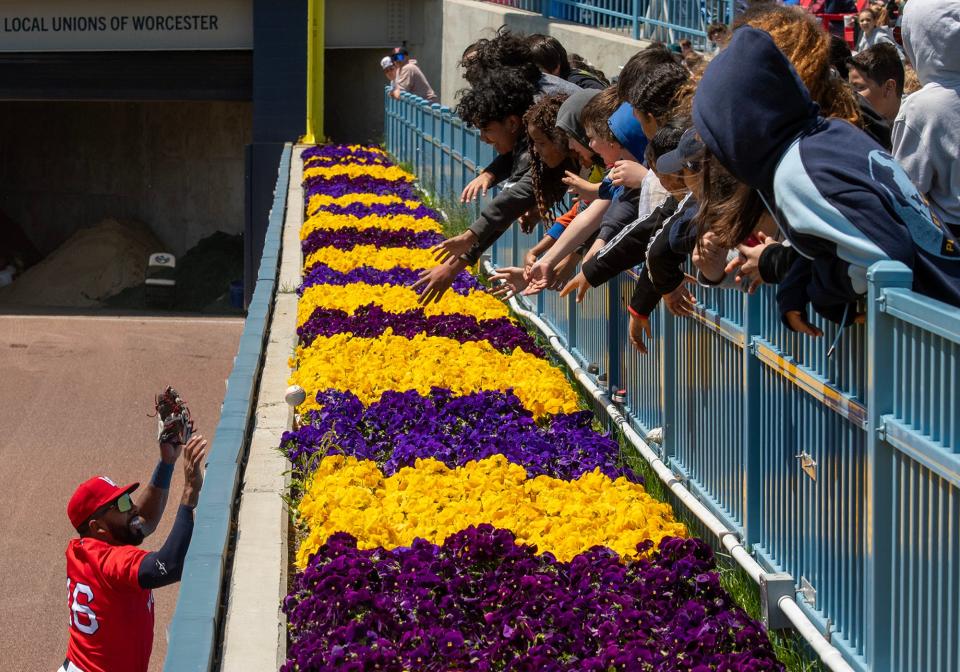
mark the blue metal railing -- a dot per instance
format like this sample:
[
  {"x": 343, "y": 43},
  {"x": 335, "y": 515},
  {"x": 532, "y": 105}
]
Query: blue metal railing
[
  {"x": 662, "y": 20},
  {"x": 843, "y": 471},
  {"x": 194, "y": 631}
]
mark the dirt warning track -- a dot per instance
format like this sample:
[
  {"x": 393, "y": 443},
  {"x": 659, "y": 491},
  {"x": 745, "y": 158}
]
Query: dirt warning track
[{"x": 76, "y": 393}]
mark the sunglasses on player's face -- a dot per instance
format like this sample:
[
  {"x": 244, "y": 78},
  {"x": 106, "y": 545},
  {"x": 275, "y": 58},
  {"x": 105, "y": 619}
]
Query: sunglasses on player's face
[{"x": 123, "y": 503}]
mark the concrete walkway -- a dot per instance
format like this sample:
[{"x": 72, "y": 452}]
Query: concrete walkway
[{"x": 76, "y": 393}]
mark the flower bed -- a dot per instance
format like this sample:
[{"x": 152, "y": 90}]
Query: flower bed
[
  {"x": 457, "y": 510},
  {"x": 480, "y": 601}
]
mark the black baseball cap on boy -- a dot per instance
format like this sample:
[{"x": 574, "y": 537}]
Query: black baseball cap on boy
[{"x": 688, "y": 152}]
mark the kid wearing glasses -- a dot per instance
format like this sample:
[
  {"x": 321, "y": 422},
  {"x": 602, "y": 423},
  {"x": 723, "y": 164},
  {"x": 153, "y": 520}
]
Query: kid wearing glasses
[{"x": 109, "y": 579}]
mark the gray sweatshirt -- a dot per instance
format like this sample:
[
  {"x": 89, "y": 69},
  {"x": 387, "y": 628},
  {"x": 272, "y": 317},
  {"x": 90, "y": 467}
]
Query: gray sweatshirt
[{"x": 926, "y": 132}]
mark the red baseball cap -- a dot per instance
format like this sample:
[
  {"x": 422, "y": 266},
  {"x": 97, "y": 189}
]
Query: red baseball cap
[{"x": 91, "y": 495}]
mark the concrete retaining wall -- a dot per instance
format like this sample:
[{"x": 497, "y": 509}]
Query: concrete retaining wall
[
  {"x": 465, "y": 21},
  {"x": 356, "y": 41},
  {"x": 176, "y": 166}
]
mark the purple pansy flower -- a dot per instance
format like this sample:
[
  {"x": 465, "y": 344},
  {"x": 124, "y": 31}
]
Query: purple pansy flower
[
  {"x": 371, "y": 321},
  {"x": 339, "y": 185},
  {"x": 321, "y": 274},
  {"x": 361, "y": 210},
  {"x": 347, "y": 238},
  {"x": 405, "y": 426},
  {"x": 343, "y": 154},
  {"x": 482, "y": 602}
]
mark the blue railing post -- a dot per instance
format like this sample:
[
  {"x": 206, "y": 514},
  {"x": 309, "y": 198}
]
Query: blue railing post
[
  {"x": 668, "y": 381},
  {"x": 636, "y": 20},
  {"x": 418, "y": 136},
  {"x": 879, "y": 506},
  {"x": 444, "y": 185},
  {"x": 752, "y": 419},
  {"x": 436, "y": 149},
  {"x": 545, "y": 8},
  {"x": 615, "y": 310}
]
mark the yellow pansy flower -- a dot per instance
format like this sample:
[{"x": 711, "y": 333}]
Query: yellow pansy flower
[
  {"x": 368, "y": 367},
  {"x": 432, "y": 501},
  {"x": 395, "y": 299},
  {"x": 370, "y": 255},
  {"x": 326, "y": 220},
  {"x": 355, "y": 170}
]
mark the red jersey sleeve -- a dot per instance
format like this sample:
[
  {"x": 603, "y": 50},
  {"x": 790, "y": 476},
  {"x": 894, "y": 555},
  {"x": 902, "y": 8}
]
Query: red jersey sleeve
[{"x": 120, "y": 565}]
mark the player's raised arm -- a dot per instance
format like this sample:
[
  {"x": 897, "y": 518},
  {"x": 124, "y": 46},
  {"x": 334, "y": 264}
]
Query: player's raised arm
[
  {"x": 165, "y": 566},
  {"x": 175, "y": 427}
]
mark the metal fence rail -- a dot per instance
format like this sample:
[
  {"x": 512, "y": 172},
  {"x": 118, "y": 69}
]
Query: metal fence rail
[
  {"x": 842, "y": 471},
  {"x": 663, "y": 20}
]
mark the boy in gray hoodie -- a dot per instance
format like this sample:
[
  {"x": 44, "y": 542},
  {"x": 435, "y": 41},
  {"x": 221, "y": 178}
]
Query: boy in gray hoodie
[{"x": 926, "y": 133}]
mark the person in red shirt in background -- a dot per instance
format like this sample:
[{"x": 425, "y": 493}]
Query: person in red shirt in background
[{"x": 109, "y": 579}]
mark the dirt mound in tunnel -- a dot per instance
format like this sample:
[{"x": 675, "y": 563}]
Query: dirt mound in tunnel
[{"x": 92, "y": 265}]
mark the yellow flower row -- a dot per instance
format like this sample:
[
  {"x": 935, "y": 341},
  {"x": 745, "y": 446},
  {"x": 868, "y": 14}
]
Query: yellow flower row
[
  {"x": 432, "y": 501},
  {"x": 395, "y": 299},
  {"x": 368, "y": 367},
  {"x": 355, "y": 170},
  {"x": 370, "y": 255},
  {"x": 319, "y": 200},
  {"x": 326, "y": 220}
]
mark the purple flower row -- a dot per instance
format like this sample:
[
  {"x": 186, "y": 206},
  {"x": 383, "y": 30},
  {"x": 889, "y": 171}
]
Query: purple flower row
[
  {"x": 379, "y": 210},
  {"x": 339, "y": 185},
  {"x": 404, "y": 426},
  {"x": 321, "y": 274},
  {"x": 372, "y": 320},
  {"x": 342, "y": 154},
  {"x": 348, "y": 237},
  {"x": 481, "y": 602},
  {"x": 321, "y": 161}
]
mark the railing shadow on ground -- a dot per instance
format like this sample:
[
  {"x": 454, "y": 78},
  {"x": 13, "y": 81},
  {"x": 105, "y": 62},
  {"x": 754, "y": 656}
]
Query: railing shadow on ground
[{"x": 842, "y": 470}]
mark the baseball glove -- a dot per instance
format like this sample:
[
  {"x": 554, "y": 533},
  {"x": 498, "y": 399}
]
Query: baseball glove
[{"x": 174, "y": 425}]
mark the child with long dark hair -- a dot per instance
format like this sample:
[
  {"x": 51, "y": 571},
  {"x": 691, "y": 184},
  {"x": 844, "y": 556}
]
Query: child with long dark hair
[{"x": 536, "y": 190}]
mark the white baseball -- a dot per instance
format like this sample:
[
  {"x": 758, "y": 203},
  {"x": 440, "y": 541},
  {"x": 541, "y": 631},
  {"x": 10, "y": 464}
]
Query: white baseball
[{"x": 295, "y": 395}]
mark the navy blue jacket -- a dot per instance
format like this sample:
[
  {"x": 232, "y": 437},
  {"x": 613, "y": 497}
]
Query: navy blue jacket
[{"x": 838, "y": 197}]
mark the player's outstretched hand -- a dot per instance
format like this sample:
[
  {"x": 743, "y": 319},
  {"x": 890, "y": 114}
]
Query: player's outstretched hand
[{"x": 194, "y": 454}]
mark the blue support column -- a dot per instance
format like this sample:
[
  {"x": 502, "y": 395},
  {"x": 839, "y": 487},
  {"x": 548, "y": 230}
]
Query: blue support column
[{"x": 879, "y": 505}]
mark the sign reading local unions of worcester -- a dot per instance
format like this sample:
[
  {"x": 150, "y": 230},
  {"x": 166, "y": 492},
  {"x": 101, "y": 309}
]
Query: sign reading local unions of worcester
[{"x": 125, "y": 25}]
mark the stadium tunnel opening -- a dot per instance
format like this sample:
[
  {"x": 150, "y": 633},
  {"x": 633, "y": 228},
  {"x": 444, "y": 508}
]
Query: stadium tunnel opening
[{"x": 107, "y": 158}]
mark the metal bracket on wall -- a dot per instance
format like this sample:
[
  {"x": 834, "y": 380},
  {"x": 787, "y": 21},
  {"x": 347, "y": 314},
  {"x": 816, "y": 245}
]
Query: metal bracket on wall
[
  {"x": 808, "y": 464},
  {"x": 809, "y": 592}
]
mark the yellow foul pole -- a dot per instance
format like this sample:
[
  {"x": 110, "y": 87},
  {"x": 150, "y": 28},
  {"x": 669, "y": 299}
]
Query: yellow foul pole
[{"x": 315, "y": 48}]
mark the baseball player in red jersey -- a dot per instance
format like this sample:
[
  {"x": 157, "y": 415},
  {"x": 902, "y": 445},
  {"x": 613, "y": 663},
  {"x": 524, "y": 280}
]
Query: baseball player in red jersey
[{"x": 109, "y": 579}]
